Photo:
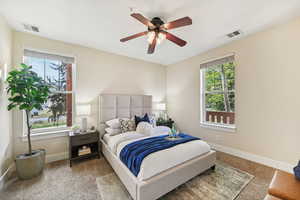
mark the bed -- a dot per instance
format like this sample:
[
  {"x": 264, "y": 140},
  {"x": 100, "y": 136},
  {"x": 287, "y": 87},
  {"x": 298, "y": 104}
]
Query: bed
[{"x": 173, "y": 166}]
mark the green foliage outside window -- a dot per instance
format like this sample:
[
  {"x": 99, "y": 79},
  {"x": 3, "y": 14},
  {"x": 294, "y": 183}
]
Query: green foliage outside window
[{"x": 219, "y": 88}]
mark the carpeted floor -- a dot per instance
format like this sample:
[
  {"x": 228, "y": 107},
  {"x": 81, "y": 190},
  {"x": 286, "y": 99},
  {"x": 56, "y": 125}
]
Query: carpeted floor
[
  {"x": 60, "y": 182},
  {"x": 223, "y": 183}
]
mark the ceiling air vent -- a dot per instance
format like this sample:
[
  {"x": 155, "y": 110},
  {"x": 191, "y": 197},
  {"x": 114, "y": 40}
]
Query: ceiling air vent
[
  {"x": 234, "y": 34},
  {"x": 28, "y": 27}
]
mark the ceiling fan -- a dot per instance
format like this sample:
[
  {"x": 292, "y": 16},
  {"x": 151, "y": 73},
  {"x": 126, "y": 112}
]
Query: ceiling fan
[{"x": 157, "y": 30}]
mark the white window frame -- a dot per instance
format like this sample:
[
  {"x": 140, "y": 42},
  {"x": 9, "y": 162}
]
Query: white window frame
[
  {"x": 44, "y": 133},
  {"x": 203, "y": 122}
]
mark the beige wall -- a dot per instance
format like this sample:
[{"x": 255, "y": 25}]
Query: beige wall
[
  {"x": 97, "y": 72},
  {"x": 267, "y": 94},
  {"x": 267, "y": 80},
  {"x": 5, "y": 116}
]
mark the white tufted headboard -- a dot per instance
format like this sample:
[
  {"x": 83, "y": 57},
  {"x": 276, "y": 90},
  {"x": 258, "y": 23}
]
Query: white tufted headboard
[{"x": 113, "y": 106}]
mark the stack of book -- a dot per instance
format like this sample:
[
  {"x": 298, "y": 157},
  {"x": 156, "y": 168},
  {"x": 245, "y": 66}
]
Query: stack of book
[{"x": 84, "y": 151}]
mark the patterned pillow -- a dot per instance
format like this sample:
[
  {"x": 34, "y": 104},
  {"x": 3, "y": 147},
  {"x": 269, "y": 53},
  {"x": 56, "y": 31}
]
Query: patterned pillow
[{"x": 127, "y": 125}]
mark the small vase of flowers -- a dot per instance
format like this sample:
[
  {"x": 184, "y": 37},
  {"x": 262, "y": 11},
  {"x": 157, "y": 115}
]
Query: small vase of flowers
[{"x": 174, "y": 131}]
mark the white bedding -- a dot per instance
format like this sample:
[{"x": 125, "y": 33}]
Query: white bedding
[
  {"x": 159, "y": 161},
  {"x": 114, "y": 141}
]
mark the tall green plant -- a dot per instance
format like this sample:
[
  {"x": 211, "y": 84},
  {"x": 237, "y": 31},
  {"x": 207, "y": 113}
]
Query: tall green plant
[{"x": 27, "y": 91}]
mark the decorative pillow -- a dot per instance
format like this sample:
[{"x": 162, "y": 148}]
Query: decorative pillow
[
  {"x": 141, "y": 119},
  {"x": 152, "y": 120},
  {"x": 144, "y": 128},
  {"x": 127, "y": 125},
  {"x": 114, "y": 123},
  {"x": 113, "y": 131}
]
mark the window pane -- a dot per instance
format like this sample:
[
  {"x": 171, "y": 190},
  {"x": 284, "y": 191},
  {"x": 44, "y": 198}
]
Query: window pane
[
  {"x": 229, "y": 75},
  {"x": 55, "y": 112},
  {"x": 50, "y": 70},
  {"x": 57, "y": 75},
  {"x": 37, "y": 65},
  {"x": 219, "y": 94},
  {"x": 214, "y": 102},
  {"x": 215, "y": 109},
  {"x": 231, "y": 97},
  {"x": 213, "y": 79}
]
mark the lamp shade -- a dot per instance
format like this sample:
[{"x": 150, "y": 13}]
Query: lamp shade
[{"x": 83, "y": 109}]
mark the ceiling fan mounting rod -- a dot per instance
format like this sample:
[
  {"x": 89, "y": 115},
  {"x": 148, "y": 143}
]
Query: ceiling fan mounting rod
[{"x": 157, "y": 22}]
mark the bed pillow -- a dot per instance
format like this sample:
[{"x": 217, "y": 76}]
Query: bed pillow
[
  {"x": 161, "y": 130},
  {"x": 138, "y": 119},
  {"x": 127, "y": 125},
  {"x": 113, "y": 131},
  {"x": 152, "y": 120},
  {"x": 144, "y": 128},
  {"x": 114, "y": 123}
]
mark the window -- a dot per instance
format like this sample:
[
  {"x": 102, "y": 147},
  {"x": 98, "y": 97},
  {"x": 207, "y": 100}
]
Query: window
[
  {"x": 218, "y": 93},
  {"x": 57, "y": 71}
]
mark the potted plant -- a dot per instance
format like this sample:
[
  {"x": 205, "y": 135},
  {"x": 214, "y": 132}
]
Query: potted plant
[{"x": 27, "y": 91}]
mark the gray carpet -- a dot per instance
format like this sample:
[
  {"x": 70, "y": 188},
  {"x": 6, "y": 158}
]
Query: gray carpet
[{"x": 225, "y": 183}]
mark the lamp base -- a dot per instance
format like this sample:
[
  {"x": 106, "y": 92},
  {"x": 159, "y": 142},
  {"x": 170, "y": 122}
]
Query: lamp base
[{"x": 84, "y": 124}]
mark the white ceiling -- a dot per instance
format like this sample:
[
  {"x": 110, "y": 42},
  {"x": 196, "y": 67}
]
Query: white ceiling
[{"x": 101, "y": 24}]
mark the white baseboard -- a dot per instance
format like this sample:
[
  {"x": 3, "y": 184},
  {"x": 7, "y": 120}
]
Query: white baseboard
[
  {"x": 255, "y": 158},
  {"x": 56, "y": 157}
]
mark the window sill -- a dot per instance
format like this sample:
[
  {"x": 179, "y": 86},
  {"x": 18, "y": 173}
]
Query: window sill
[
  {"x": 218, "y": 127},
  {"x": 47, "y": 135}
]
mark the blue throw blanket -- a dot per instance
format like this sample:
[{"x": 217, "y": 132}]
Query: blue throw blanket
[{"x": 134, "y": 153}]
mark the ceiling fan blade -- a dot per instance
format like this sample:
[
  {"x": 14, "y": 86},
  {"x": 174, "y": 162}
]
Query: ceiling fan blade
[
  {"x": 142, "y": 19},
  {"x": 151, "y": 47},
  {"x": 174, "y": 39},
  {"x": 185, "y": 21},
  {"x": 134, "y": 36}
]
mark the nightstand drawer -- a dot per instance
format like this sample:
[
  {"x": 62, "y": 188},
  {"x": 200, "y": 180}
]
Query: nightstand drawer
[{"x": 84, "y": 139}]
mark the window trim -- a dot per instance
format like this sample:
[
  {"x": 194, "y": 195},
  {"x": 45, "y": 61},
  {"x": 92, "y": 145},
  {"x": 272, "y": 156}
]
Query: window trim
[
  {"x": 47, "y": 135},
  {"x": 203, "y": 123},
  {"x": 54, "y": 131},
  {"x": 219, "y": 127}
]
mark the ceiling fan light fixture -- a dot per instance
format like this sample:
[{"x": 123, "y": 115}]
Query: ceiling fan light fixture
[
  {"x": 151, "y": 36},
  {"x": 161, "y": 37}
]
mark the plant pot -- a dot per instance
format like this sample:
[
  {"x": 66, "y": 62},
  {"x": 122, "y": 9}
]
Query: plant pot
[{"x": 29, "y": 166}]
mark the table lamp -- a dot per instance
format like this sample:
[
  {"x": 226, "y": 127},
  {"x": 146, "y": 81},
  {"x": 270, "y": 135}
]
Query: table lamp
[{"x": 83, "y": 111}]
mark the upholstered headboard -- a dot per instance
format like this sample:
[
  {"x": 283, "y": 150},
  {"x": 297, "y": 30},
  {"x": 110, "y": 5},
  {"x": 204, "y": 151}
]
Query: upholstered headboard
[{"x": 113, "y": 106}]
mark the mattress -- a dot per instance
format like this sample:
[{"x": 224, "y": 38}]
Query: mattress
[{"x": 160, "y": 161}]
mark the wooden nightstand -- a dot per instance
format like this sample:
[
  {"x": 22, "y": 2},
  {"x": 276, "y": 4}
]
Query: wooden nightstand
[{"x": 77, "y": 141}]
